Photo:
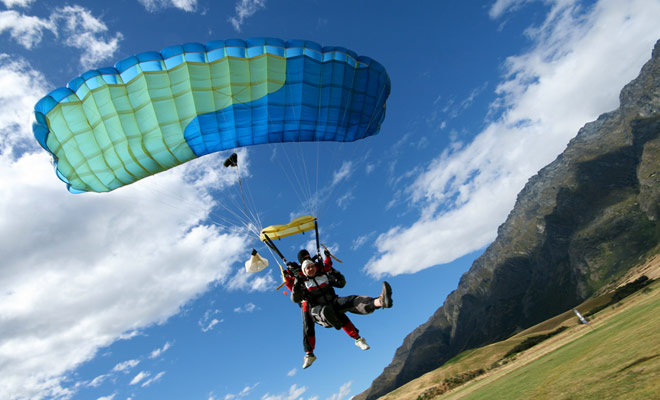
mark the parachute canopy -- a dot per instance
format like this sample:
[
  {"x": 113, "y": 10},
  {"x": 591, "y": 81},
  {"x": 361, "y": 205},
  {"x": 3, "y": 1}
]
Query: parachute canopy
[
  {"x": 298, "y": 225},
  {"x": 113, "y": 126}
]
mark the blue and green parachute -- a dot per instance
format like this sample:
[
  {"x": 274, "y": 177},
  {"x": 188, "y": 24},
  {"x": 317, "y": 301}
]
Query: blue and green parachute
[{"x": 113, "y": 126}]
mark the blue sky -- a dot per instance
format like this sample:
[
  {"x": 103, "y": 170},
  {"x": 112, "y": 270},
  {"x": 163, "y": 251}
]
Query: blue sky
[{"x": 141, "y": 293}]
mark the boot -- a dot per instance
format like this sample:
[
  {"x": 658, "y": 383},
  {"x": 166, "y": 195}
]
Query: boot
[
  {"x": 361, "y": 343},
  {"x": 386, "y": 295},
  {"x": 309, "y": 360}
]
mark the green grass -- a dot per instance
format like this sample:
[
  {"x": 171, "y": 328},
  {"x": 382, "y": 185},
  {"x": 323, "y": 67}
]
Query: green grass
[{"x": 618, "y": 359}]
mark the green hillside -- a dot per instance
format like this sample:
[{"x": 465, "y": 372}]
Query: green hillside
[{"x": 616, "y": 357}]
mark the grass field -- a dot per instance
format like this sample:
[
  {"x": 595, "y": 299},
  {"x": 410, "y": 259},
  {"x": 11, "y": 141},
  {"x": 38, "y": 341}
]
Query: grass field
[{"x": 616, "y": 357}]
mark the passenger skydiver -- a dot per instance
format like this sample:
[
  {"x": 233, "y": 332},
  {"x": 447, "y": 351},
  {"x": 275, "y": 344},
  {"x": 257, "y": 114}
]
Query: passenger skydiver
[{"x": 313, "y": 289}]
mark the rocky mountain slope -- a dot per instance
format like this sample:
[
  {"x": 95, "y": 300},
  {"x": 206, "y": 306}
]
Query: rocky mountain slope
[{"x": 578, "y": 224}]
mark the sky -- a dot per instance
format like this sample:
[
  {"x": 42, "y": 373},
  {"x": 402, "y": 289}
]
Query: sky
[{"x": 141, "y": 293}]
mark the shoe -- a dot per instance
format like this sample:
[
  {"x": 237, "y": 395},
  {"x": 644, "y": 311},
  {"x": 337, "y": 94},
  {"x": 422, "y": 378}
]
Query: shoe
[
  {"x": 386, "y": 296},
  {"x": 361, "y": 343},
  {"x": 309, "y": 360}
]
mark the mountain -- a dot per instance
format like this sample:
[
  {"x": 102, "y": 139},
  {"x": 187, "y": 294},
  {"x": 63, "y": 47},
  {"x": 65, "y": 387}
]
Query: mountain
[{"x": 577, "y": 225}]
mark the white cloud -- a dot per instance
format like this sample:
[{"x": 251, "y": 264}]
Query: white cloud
[
  {"x": 20, "y": 88},
  {"x": 111, "y": 397},
  {"x": 294, "y": 393},
  {"x": 146, "y": 245},
  {"x": 244, "y": 10},
  {"x": 125, "y": 366},
  {"x": 362, "y": 240},
  {"x": 157, "y": 352},
  {"x": 249, "y": 307},
  {"x": 210, "y": 325},
  {"x": 142, "y": 375},
  {"x": 156, "y": 5},
  {"x": 155, "y": 379},
  {"x": 293, "y": 372},
  {"x": 345, "y": 200},
  {"x": 75, "y": 26},
  {"x": 502, "y": 6},
  {"x": 19, "y": 3},
  {"x": 208, "y": 321},
  {"x": 243, "y": 393},
  {"x": 343, "y": 393},
  {"x": 26, "y": 30},
  {"x": 96, "y": 382},
  {"x": 260, "y": 282},
  {"x": 87, "y": 33},
  {"x": 548, "y": 93},
  {"x": 344, "y": 172}
]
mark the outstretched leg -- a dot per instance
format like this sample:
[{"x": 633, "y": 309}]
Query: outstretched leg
[
  {"x": 309, "y": 336},
  {"x": 363, "y": 304}
]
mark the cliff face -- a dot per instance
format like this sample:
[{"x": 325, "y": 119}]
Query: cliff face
[{"x": 578, "y": 224}]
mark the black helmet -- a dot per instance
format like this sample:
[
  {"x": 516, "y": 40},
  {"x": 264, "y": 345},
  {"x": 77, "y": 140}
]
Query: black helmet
[{"x": 302, "y": 254}]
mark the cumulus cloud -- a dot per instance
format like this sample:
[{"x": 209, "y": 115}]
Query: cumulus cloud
[
  {"x": 81, "y": 30},
  {"x": 157, "y": 5},
  {"x": 20, "y": 88},
  {"x": 244, "y": 10},
  {"x": 149, "y": 246},
  {"x": 546, "y": 95},
  {"x": 251, "y": 282},
  {"x": 74, "y": 26}
]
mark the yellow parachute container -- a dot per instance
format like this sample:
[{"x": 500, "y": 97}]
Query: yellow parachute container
[{"x": 298, "y": 225}]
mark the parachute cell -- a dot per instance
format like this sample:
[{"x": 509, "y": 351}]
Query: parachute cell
[{"x": 113, "y": 126}]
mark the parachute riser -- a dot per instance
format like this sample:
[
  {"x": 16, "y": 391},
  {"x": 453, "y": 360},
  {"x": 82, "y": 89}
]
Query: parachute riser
[
  {"x": 272, "y": 246},
  {"x": 318, "y": 246}
]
